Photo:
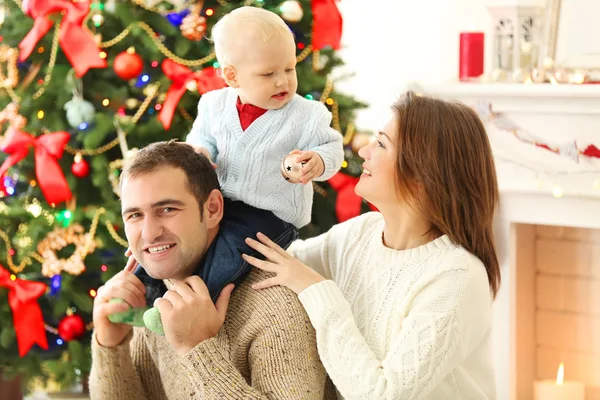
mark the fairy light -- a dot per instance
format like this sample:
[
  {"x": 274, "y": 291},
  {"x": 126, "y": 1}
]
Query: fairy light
[
  {"x": 40, "y": 114},
  {"x": 102, "y": 54},
  {"x": 104, "y": 268},
  {"x": 92, "y": 293},
  {"x": 329, "y": 101},
  {"x": 105, "y": 102},
  {"x": 209, "y": 12},
  {"x": 40, "y": 49},
  {"x": 557, "y": 191}
]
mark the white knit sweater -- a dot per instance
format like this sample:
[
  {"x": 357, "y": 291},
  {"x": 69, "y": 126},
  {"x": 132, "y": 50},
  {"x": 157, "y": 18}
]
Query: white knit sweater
[
  {"x": 412, "y": 324},
  {"x": 249, "y": 162}
]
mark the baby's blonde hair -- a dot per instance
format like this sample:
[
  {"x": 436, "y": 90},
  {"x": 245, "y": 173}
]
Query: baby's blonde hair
[{"x": 266, "y": 23}]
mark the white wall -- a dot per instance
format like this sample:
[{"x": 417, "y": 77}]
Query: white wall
[{"x": 390, "y": 43}]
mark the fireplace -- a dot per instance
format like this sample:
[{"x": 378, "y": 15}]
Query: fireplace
[{"x": 547, "y": 231}]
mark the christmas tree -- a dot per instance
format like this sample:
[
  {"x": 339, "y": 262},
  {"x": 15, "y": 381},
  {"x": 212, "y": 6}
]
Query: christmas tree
[{"x": 83, "y": 84}]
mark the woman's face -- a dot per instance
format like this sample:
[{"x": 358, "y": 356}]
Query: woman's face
[{"x": 377, "y": 183}]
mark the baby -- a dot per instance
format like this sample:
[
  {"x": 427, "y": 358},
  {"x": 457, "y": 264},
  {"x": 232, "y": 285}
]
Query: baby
[{"x": 247, "y": 130}]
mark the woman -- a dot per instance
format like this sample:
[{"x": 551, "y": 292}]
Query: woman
[{"x": 401, "y": 299}]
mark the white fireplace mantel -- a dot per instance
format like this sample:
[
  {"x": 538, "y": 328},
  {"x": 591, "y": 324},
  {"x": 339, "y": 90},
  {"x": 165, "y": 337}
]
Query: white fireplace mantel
[
  {"x": 518, "y": 97},
  {"x": 527, "y": 175}
]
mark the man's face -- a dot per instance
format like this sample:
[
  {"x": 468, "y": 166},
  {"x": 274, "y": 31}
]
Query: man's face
[{"x": 163, "y": 224}]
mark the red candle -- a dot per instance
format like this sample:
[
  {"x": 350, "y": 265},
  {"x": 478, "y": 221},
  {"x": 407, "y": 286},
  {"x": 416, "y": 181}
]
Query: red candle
[{"x": 470, "y": 64}]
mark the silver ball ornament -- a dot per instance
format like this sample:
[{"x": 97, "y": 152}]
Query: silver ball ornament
[{"x": 290, "y": 169}]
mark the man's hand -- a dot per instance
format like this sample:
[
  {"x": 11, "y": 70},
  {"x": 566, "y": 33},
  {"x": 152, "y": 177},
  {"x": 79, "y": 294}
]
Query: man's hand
[
  {"x": 313, "y": 167},
  {"x": 204, "y": 152},
  {"x": 188, "y": 314},
  {"x": 127, "y": 287}
]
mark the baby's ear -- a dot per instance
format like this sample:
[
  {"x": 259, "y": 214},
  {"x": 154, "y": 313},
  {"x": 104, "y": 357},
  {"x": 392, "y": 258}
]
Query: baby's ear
[{"x": 228, "y": 73}]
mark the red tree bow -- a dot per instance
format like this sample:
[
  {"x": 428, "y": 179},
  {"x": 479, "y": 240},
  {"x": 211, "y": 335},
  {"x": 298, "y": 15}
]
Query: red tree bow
[
  {"x": 327, "y": 24},
  {"x": 77, "y": 43},
  {"x": 348, "y": 203},
  {"x": 47, "y": 150},
  {"x": 206, "y": 80},
  {"x": 27, "y": 315}
]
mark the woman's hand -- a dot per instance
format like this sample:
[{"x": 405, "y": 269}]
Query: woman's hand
[{"x": 290, "y": 272}]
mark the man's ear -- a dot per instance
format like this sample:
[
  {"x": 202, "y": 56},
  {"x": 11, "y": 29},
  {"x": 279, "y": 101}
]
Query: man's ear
[
  {"x": 230, "y": 75},
  {"x": 213, "y": 209}
]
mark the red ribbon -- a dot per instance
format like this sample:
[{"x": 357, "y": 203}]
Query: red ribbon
[
  {"x": 591, "y": 151},
  {"x": 348, "y": 203},
  {"x": 47, "y": 150},
  {"x": 27, "y": 315},
  {"x": 327, "y": 24},
  {"x": 206, "y": 80},
  {"x": 77, "y": 43}
]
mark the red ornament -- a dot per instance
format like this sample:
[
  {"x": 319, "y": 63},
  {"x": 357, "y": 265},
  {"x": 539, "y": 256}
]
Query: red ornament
[
  {"x": 71, "y": 327},
  {"x": 80, "y": 168},
  {"x": 128, "y": 65}
]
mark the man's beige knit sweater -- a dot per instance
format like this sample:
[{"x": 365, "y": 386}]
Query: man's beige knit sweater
[{"x": 266, "y": 349}]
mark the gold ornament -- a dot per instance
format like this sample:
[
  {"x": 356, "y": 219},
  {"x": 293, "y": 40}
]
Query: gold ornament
[
  {"x": 8, "y": 57},
  {"x": 193, "y": 26},
  {"x": 60, "y": 238},
  {"x": 11, "y": 115}
]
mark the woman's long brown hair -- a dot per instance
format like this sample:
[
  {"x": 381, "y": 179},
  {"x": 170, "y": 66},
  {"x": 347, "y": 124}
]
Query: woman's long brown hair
[{"x": 445, "y": 168}]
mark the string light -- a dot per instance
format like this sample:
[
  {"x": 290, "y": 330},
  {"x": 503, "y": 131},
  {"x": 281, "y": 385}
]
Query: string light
[
  {"x": 209, "y": 12},
  {"x": 92, "y": 293},
  {"x": 329, "y": 101},
  {"x": 83, "y": 126},
  {"x": 104, "y": 268},
  {"x": 309, "y": 96},
  {"x": 40, "y": 49},
  {"x": 105, "y": 102},
  {"x": 557, "y": 191},
  {"x": 40, "y": 114},
  {"x": 154, "y": 64},
  {"x": 13, "y": 277},
  {"x": 158, "y": 107},
  {"x": 216, "y": 65},
  {"x": 102, "y": 54},
  {"x": 59, "y": 342}
]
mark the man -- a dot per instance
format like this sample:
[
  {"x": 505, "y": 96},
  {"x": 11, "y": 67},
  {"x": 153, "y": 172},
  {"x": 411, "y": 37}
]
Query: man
[{"x": 247, "y": 345}]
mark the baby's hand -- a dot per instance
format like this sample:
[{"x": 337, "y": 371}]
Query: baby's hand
[
  {"x": 313, "y": 167},
  {"x": 204, "y": 152}
]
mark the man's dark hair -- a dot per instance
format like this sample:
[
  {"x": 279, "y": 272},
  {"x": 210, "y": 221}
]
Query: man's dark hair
[{"x": 201, "y": 177}]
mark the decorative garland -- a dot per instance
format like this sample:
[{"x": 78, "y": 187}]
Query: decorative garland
[{"x": 502, "y": 122}]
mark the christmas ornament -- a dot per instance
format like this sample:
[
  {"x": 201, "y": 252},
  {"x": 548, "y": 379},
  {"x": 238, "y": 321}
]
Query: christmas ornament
[
  {"x": 27, "y": 315},
  {"x": 327, "y": 24},
  {"x": 75, "y": 40},
  {"x": 71, "y": 327},
  {"x": 48, "y": 149},
  {"x": 360, "y": 140},
  {"x": 291, "y": 11},
  {"x": 128, "y": 65},
  {"x": 98, "y": 19},
  {"x": 193, "y": 26},
  {"x": 176, "y": 18},
  {"x": 80, "y": 113},
  {"x": 57, "y": 240},
  {"x": 8, "y": 57},
  {"x": 110, "y": 6},
  {"x": 11, "y": 115},
  {"x": 80, "y": 167},
  {"x": 290, "y": 169},
  {"x": 205, "y": 80}
]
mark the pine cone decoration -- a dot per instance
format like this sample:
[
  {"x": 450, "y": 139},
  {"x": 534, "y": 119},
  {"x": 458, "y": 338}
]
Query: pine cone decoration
[{"x": 193, "y": 26}]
